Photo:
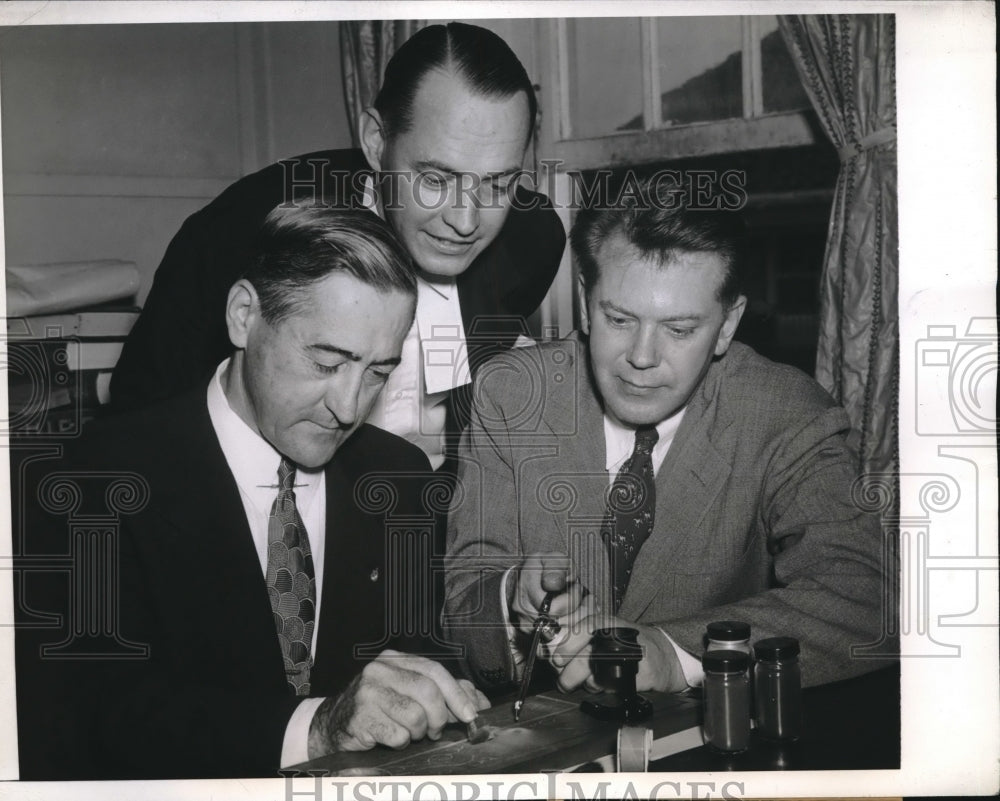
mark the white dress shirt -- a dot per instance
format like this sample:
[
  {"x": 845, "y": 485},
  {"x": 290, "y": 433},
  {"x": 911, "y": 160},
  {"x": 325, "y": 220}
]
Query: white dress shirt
[{"x": 254, "y": 465}]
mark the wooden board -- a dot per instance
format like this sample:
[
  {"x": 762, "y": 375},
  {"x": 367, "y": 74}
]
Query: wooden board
[{"x": 553, "y": 734}]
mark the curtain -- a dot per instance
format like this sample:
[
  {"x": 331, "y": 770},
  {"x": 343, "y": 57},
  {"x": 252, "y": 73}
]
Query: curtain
[
  {"x": 847, "y": 66},
  {"x": 365, "y": 49}
]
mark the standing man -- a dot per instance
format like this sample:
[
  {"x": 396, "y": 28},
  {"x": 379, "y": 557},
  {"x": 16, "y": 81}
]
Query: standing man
[
  {"x": 441, "y": 153},
  {"x": 251, "y": 563},
  {"x": 658, "y": 474}
]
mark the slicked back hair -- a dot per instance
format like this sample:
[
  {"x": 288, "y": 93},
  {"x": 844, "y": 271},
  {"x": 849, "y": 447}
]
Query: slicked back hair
[
  {"x": 478, "y": 56},
  {"x": 298, "y": 246},
  {"x": 658, "y": 222}
]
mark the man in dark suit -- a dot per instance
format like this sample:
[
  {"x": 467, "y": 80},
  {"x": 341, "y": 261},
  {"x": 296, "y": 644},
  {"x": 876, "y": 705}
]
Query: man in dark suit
[
  {"x": 252, "y": 574},
  {"x": 441, "y": 153},
  {"x": 658, "y": 475}
]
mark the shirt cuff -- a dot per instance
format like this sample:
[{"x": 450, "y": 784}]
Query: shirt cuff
[
  {"x": 517, "y": 658},
  {"x": 691, "y": 667},
  {"x": 295, "y": 746}
]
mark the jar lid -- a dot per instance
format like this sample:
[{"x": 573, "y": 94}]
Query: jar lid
[
  {"x": 725, "y": 660},
  {"x": 776, "y": 648},
  {"x": 728, "y": 630}
]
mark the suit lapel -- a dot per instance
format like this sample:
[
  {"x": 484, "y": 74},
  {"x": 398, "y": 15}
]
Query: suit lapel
[
  {"x": 584, "y": 456},
  {"x": 353, "y": 619},
  {"x": 210, "y": 538},
  {"x": 339, "y": 533}
]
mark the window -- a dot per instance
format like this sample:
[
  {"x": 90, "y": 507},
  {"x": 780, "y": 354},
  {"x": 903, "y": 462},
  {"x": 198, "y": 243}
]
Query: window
[
  {"x": 634, "y": 90},
  {"x": 707, "y": 94}
]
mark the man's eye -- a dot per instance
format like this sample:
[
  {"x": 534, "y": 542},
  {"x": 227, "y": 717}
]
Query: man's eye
[
  {"x": 328, "y": 369},
  {"x": 433, "y": 180},
  {"x": 501, "y": 188},
  {"x": 379, "y": 376},
  {"x": 681, "y": 333},
  {"x": 617, "y": 322}
]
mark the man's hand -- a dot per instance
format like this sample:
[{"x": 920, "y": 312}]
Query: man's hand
[
  {"x": 539, "y": 574},
  {"x": 395, "y": 700},
  {"x": 658, "y": 670}
]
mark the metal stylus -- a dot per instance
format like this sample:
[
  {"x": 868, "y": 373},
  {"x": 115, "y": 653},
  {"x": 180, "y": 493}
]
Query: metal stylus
[{"x": 544, "y": 626}]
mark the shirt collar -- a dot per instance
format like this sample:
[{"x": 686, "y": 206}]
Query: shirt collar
[
  {"x": 368, "y": 199},
  {"x": 620, "y": 440},
  {"x": 252, "y": 459}
]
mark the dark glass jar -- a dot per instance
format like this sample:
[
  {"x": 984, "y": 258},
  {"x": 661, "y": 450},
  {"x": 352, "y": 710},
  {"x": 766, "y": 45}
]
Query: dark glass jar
[
  {"x": 729, "y": 635},
  {"x": 778, "y": 688},
  {"x": 727, "y": 700}
]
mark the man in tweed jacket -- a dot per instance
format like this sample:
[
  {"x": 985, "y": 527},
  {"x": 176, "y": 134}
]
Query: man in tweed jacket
[{"x": 753, "y": 517}]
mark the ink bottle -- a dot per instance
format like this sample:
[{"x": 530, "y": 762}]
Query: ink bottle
[
  {"x": 726, "y": 692},
  {"x": 778, "y": 688},
  {"x": 728, "y": 635}
]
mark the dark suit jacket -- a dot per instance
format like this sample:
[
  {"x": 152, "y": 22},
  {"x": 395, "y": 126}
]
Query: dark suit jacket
[
  {"x": 210, "y": 699},
  {"x": 754, "y": 515},
  {"x": 181, "y": 336}
]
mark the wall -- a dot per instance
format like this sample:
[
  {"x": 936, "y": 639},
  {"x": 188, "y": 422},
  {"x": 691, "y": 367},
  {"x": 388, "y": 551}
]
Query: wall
[{"x": 113, "y": 134}]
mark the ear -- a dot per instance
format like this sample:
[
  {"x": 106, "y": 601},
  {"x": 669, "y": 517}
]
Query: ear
[
  {"x": 371, "y": 134},
  {"x": 242, "y": 310},
  {"x": 581, "y": 297},
  {"x": 732, "y": 320}
]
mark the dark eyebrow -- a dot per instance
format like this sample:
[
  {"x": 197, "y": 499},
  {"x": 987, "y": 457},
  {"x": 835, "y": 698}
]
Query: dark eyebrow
[
  {"x": 351, "y": 355},
  {"x": 607, "y": 305},
  {"x": 431, "y": 164}
]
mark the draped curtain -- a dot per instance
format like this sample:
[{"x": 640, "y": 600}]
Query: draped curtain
[
  {"x": 848, "y": 68},
  {"x": 365, "y": 49}
]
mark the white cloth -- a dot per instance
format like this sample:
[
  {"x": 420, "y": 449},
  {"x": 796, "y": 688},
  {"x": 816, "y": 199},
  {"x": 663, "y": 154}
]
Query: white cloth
[{"x": 254, "y": 465}]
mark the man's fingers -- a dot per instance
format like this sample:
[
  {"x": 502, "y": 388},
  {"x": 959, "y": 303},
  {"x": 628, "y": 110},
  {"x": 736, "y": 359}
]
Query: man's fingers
[
  {"x": 479, "y": 701},
  {"x": 432, "y": 685},
  {"x": 576, "y": 671},
  {"x": 371, "y": 725},
  {"x": 554, "y": 580},
  {"x": 569, "y": 648},
  {"x": 541, "y": 573},
  {"x": 567, "y": 602},
  {"x": 413, "y": 717},
  {"x": 397, "y": 698}
]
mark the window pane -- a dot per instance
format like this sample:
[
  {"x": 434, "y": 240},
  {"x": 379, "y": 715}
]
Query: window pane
[
  {"x": 701, "y": 74},
  {"x": 782, "y": 88},
  {"x": 605, "y": 74}
]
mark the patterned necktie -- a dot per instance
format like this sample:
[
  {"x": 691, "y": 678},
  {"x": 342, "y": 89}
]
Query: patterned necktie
[
  {"x": 291, "y": 581},
  {"x": 628, "y": 521}
]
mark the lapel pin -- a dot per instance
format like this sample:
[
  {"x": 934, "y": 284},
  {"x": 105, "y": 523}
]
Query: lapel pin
[{"x": 374, "y": 574}]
